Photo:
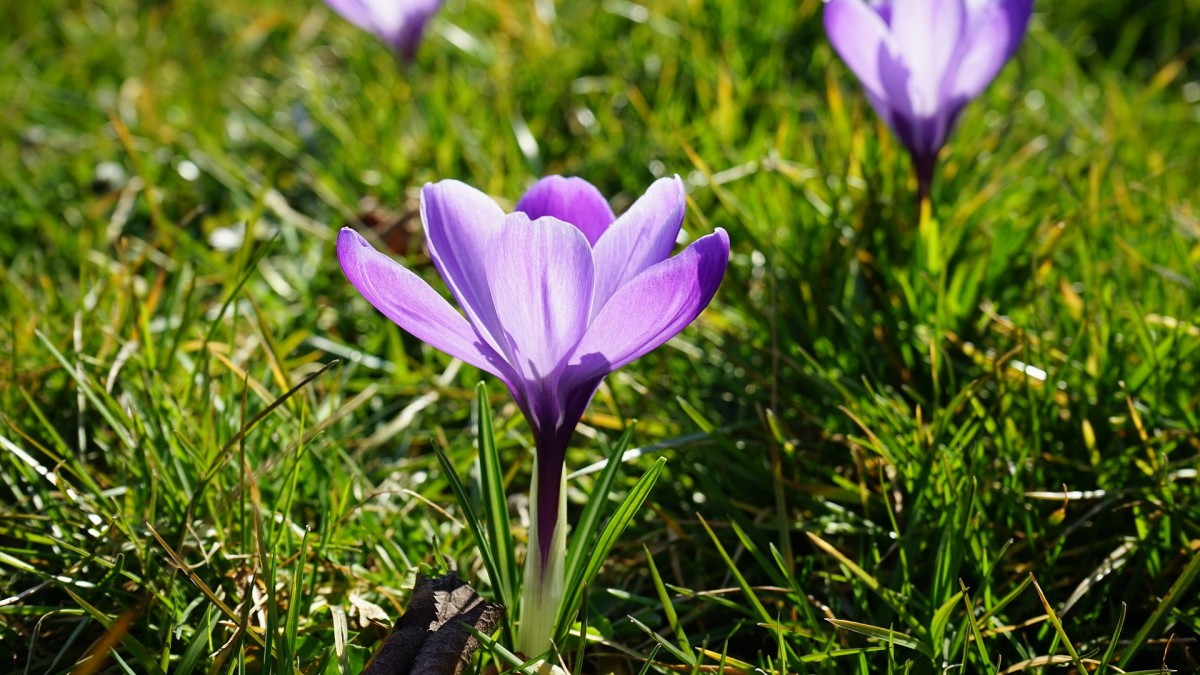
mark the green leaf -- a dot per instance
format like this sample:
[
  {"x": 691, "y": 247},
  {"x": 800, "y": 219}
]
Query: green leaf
[
  {"x": 473, "y": 523},
  {"x": 599, "y": 553},
  {"x": 885, "y": 634},
  {"x": 199, "y": 644},
  {"x": 1173, "y": 596},
  {"x": 1058, "y": 628},
  {"x": 589, "y": 521},
  {"x": 685, "y": 657},
  {"x": 937, "y": 627},
  {"x": 975, "y": 632},
  {"x": 288, "y": 651},
  {"x": 495, "y": 507},
  {"x": 668, "y": 608}
]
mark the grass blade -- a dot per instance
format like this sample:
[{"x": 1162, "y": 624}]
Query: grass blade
[
  {"x": 472, "y": 520},
  {"x": 1173, "y": 596},
  {"x": 975, "y": 632},
  {"x": 589, "y": 520},
  {"x": 495, "y": 506},
  {"x": 669, "y": 609},
  {"x": 763, "y": 615},
  {"x": 1058, "y": 627},
  {"x": 886, "y": 635}
]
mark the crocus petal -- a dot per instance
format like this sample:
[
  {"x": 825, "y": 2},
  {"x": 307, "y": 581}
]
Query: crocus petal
[
  {"x": 643, "y": 236},
  {"x": 458, "y": 220},
  {"x": 541, "y": 274},
  {"x": 927, "y": 36},
  {"x": 858, "y": 33},
  {"x": 412, "y": 304},
  {"x": 1018, "y": 12},
  {"x": 884, "y": 10},
  {"x": 922, "y": 134},
  {"x": 399, "y": 23},
  {"x": 406, "y": 38},
  {"x": 356, "y": 12},
  {"x": 571, "y": 200},
  {"x": 996, "y": 29},
  {"x": 652, "y": 308}
]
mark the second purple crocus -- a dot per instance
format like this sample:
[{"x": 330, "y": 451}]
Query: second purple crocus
[
  {"x": 556, "y": 296},
  {"x": 399, "y": 23},
  {"x": 922, "y": 61}
]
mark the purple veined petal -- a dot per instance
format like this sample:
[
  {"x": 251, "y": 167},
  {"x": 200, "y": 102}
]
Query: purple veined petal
[
  {"x": 571, "y": 200},
  {"x": 406, "y": 38},
  {"x": 643, "y": 236},
  {"x": 652, "y": 308},
  {"x": 923, "y": 134},
  {"x": 541, "y": 276},
  {"x": 884, "y": 9},
  {"x": 927, "y": 35},
  {"x": 1018, "y": 12},
  {"x": 412, "y": 304},
  {"x": 858, "y": 33},
  {"x": 896, "y": 105},
  {"x": 995, "y": 31},
  {"x": 458, "y": 220}
]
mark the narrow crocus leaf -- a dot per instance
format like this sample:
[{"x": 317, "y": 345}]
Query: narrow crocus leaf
[
  {"x": 556, "y": 296},
  {"x": 400, "y": 24},
  {"x": 922, "y": 61}
]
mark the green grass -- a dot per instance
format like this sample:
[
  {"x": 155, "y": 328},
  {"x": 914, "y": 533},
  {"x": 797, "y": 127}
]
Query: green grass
[{"x": 875, "y": 423}]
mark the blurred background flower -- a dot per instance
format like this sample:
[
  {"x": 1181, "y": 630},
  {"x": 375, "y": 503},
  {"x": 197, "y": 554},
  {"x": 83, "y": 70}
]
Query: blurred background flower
[
  {"x": 922, "y": 61},
  {"x": 399, "y": 23}
]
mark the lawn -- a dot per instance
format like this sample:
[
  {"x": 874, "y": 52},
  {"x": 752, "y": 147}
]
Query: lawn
[{"x": 968, "y": 443}]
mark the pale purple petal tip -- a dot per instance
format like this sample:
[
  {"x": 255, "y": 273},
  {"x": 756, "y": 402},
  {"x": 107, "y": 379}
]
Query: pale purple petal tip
[
  {"x": 356, "y": 12},
  {"x": 398, "y": 23},
  {"x": 996, "y": 31},
  {"x": 859, "y": 34},
  {"x": 571, "y": 200},
  {"x": 653, "y": 307},
  {"x": 643, "y": 236},
  {"x": 458, "y": 221},
  {"x": 412, "y": 304}
]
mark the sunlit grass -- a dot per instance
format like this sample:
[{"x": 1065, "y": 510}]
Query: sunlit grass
[{"x": 875, "y": 439}]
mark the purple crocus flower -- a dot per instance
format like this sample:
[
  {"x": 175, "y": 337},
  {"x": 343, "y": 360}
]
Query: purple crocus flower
[
  {"x": 557, "y": 295},
  {"x": 922, "y": 61},
  {"x": 399, "y": 23}
]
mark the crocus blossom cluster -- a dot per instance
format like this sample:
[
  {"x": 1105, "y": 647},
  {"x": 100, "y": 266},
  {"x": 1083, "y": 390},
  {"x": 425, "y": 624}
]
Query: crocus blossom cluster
[
  {"x": 399, "y": 23},
  {"x": 922, "y": 61},
  {"x": 556, "y": 296}
]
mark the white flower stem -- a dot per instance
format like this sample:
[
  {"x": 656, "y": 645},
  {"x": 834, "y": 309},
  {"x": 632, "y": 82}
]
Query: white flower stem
[{"x": 542, "y": 591}]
